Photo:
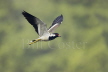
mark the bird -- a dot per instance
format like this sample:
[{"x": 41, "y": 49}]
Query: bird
[{"x": 41, "y": 28}]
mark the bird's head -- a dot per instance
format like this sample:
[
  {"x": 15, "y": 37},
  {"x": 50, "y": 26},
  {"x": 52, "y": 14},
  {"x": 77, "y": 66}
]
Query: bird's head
[{"x": 56, "y": 34}]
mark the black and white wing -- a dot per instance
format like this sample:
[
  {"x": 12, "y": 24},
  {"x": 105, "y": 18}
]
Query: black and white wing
[
  {"x": 55, "y": 24},
  {"x": 39, "y": 26}
]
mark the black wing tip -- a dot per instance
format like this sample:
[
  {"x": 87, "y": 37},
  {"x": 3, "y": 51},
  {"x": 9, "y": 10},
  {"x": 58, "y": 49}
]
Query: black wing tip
[
  {"x": 24, "y": 12},
  {"x": 59, "y": 20},
  {"x": 61, "y": 15}
]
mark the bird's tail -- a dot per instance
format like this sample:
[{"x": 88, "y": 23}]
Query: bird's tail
[{"x": 34, "y": 41}]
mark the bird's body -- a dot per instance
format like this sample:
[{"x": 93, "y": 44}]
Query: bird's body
[
  {"x": 41, "y": 29},
  {"x": 47, "y": 37}
]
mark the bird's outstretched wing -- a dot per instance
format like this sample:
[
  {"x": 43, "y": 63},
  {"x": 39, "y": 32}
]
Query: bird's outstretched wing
[
  {"x": 55, "y": 24},
  {"x": 39, "y": 26}
]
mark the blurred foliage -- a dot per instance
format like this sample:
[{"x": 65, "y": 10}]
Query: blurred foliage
[{"x": 82, "y": 47}]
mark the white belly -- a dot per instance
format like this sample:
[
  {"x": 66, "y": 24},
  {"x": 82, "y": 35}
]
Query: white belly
[{"x": 44, "y": 38}]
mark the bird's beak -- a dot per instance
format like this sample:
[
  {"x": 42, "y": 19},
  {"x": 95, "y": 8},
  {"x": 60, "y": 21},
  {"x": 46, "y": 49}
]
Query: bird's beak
[{"x": 59, "y": 36}]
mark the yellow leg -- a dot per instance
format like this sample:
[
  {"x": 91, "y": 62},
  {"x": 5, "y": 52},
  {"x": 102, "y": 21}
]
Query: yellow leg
[{"x": 34, "y": 41}]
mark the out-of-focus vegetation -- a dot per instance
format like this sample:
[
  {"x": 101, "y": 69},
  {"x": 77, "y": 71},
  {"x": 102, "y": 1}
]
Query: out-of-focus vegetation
[{"x": 83, "y": 46}]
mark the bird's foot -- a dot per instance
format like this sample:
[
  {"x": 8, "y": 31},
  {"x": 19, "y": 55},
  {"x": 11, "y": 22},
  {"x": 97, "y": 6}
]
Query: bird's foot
[{"x": 34, "y": 41}]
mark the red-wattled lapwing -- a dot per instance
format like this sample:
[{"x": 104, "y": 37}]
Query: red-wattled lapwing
[{"x": 41, "y": 28}]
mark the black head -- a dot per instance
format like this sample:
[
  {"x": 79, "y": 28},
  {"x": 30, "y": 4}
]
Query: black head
[{"x": 57, "y": 35}]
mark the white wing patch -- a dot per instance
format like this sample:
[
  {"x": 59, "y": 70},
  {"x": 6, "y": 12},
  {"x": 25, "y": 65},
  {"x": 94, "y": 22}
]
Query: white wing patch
[
  {"x": 39, "y": 29},
  {"x": 51, "y": 30},
  {"x": 56, "y": 23}
]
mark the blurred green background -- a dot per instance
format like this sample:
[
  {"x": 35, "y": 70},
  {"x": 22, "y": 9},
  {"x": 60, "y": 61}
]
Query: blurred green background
[{"x": 82, "y": 48}]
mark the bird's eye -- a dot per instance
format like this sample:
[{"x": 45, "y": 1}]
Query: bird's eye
[{"x": 56, "y": 34}]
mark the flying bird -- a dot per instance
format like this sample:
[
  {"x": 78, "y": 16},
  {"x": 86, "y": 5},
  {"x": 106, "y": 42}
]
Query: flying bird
[{"x": 41, "y": 28}]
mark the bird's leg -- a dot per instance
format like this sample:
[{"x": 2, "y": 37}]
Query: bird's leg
[{"x": 34, "y": 41}]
